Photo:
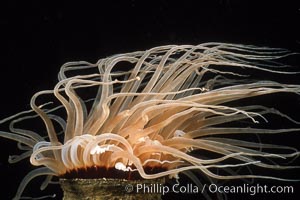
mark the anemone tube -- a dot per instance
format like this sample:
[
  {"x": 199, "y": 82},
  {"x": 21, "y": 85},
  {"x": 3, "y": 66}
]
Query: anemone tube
[{"x": 145, "y": 110}]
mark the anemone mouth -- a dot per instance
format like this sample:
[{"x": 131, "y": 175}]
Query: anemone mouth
[{"x": 109, "y": 173}]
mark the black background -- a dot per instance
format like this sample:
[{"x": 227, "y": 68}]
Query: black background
[{"x": 37, "y": 37}]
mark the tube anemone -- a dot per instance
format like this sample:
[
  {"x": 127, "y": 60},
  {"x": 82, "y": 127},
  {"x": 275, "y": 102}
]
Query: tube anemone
[{"x": 157, "y": 113}]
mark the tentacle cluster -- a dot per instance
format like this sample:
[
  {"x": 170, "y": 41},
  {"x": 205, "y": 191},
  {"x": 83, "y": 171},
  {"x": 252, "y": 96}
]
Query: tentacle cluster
[{"x": 153, "y": 108}]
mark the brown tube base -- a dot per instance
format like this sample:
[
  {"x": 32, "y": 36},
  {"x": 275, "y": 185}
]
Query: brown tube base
[{"x": 108, "y": 189}]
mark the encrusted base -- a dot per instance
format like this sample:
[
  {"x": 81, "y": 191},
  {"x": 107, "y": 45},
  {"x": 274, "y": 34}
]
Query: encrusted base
[{"x": 108, "y": 189}]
